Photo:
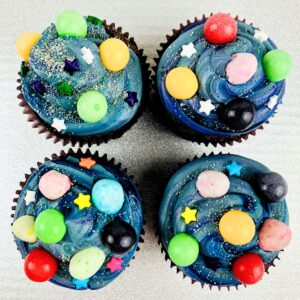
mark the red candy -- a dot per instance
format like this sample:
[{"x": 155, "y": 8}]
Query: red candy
[
  {"x": 248, "y": 268},
  {"x": 40, "y": 265},
  {"x": 220, "y": 29}
]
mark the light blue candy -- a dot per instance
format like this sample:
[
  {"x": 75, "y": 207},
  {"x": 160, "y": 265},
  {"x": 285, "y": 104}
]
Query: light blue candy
[{"x": 108, "y": 196}]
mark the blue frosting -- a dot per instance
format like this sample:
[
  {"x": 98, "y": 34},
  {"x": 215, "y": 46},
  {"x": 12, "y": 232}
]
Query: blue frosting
[
  {"x": 84, "y": 227},
  {"x": 209, "y": 65},
  {"x": 47, "y": 66},
  {"x": 213, "y": 265}
]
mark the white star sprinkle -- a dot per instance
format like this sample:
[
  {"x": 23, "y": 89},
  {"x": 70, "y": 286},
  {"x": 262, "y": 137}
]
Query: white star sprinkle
[
  {"x": 206, "y": 107},
  {"x": 260, "y": 35},
  {"x": 188, "y": 50},
  {"x": 87, "y": 55},
  {"x": 58, "y": 124},
  {"x": 272, "y": 102},
  {"x": 30, "y": 197}
]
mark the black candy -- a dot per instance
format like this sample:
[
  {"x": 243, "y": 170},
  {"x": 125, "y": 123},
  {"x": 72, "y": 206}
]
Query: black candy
[{"x": 119, "y": 236}]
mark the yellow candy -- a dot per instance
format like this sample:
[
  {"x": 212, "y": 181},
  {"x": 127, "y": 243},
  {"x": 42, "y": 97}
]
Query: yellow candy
[
  {"x": 237, "y": 227},
  {"x": 23, "y": 228},
  {"x": 182, "y": 83},
  {"x": 114, "y": 54},
  {"x": 26, "y": 42}
]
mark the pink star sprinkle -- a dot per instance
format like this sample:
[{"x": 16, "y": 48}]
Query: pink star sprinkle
[{"x": 115, "y": 264}]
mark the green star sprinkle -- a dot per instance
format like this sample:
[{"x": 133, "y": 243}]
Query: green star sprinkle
[
  {"x": 65, "y": 89},
  {"x": 24, "y": 68},
  {"x": 94, "y": 20}
]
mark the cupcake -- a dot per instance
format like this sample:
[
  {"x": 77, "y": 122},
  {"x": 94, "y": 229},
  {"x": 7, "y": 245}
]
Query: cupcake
[
  {"x": 223, "y": 220},
  {"x": 77, "y": 221},
  {"x": 81, "y": 79},
  {"x": 219, "y": 79}
]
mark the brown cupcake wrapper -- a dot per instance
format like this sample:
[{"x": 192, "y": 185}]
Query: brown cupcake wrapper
[
  {"x": 173, "y": 123},
  {"x": 166, "y": 255},
  {"x": 51, "y": 133}
]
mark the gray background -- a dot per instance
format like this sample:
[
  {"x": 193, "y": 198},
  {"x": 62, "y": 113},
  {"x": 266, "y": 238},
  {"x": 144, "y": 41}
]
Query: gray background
[{"x": 148, "y": 150}]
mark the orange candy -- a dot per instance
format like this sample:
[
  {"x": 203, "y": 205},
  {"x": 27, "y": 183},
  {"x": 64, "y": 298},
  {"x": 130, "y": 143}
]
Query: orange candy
[{"x": 25, "y": 43}]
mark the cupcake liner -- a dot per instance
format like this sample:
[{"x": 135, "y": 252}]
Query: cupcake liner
[
  {"x": 51, "y": 133},
  {"x": 166, "y": 255},
  {"x": 173, "y": 123}
]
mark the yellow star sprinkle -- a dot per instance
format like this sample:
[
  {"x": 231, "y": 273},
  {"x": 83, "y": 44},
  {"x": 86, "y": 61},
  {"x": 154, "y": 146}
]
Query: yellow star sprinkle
[
  {"x": 83, "y": 201},
  {"x": 189, "y": 215}
]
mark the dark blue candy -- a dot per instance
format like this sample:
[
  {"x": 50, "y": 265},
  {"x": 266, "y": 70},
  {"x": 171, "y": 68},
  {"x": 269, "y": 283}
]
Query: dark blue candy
[
  {"x": 38, "y": 87},
  {"x": 131, "y": 98},
  {"x": 71, "y": 66}
]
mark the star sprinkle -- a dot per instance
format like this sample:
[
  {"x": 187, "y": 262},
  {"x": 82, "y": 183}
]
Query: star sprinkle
[
  {"x": 65, "y": 89},
  {"x": 30, "y": 197},
  {"x": 115, "y": 264},
  {"x": 38, "y": 87},
  {"x": 94, "y": 20},
  {"x": 272, "y": 102},
  {"x": 131, "y": 98},
  {"x": 87, "y": 55},
  {"x": 189, "y": 215},
  {"x": 58, "y": 124},
  {"x": 206, "y": 107},
  {"x": 260, "y": 35},
  {"x": 234, "y": 169},
  {"x": 87, "y": 162},
  {"x": 188, "y": 50},
  {"x": 24, "y": 68},
  {"x": 71, "y": 66},
  {"x": 80, "y": 284},
  {"x": 83, "y": 201}
]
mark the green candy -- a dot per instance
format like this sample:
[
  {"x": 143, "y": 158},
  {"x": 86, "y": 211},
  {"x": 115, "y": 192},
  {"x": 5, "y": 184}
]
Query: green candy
[
  {"x": 50, "y": 226},
  {"x": 92, "y": 106},
  {"x": 183, "y": 249},
  {"x": 277, "y": 65},
  {"x": 71, "y": 23}
]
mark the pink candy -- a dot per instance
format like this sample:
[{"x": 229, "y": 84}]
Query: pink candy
[
  {"x": 274, "y": 235},
  {"x": 212, "y": 184},
  {"x": 54, "y": 185},
  {"x": 241, "y": 68}
]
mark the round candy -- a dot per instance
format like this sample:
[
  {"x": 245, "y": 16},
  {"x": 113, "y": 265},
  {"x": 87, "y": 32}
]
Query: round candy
[
  {"x": 183, "y": 249},
  {"x": 270, "y": 186},
  {"x": 54, "y": 185},
  {"x": 182, "y": 83},
  {"x": 248, "y": 268},
  {"x": 71, "y": 23},
  {"x": 119, "y": 236},
  {"x": 92, "y": 106},
  {"x": 108, "y": 196},
  {"x": 114, "y": 54},
  {"x": 23, "y": 228},
  {"x": 277, "y": 65},
  {"x": 86, "y": 263},
  {"x": 40, "y": 265},
  {"x": 212, "y": 184},
  {"x": 237, "y": 227},
  {"x": 220, "y": 29},
  {"x": 274, "y": 235},
  {"x": 241, "y": 68},
  {"x": 50, "y": 226},
  {"x": 25, "y": 43},
  {"x": 238, "y": 114}
]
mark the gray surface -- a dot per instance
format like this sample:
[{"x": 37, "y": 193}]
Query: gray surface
[{"x": 148, "y": 150}]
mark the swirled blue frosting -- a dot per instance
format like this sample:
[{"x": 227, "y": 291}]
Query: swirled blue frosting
[
  {"x": 84, "y": 227},
  {"x": 213, "y": 265},
  {"x": 209, "y": 65},
  {"x": 47, "y": 66}
]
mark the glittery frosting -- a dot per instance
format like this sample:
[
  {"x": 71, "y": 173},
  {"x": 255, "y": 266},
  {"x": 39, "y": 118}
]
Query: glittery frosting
[
  {"x": 209, "y": 64},
  {"x": 213, "y": 265},
  {"x": 84, "y": 227},
  {"x": 47, "y": 66}
]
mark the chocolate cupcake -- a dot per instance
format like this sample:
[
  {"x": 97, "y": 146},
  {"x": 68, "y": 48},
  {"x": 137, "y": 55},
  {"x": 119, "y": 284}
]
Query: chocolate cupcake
[
  {"x": 78, "y": 220},
  {"x": 223, "y": 220},
  {"x": 81, "y": 79},
  {"x": 219, "y": 79}
]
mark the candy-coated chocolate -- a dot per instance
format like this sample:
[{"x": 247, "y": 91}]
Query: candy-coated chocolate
[
  {"x": 25, "y": 43},
  {"x": 212, "y": 184},
  {"x": 237, "y": 227},
  {"x": 23, "y": 228},
  {"x": 40, "y": 265},
  {"x": 86, "y": 263},
  {"x": 53, "y": 185},
  {"x": 182, "y": 83},
  {"x": 114, "y": 54},
  {"x": 274, "y": 235},
  {"x": 248, "y": 268}
]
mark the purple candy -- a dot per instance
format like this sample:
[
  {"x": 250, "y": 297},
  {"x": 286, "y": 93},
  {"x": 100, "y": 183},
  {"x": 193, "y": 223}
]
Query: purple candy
[
  {"x": 71, "y": 66},
  {"x": 131, "y": 98},
  {"x": 38, "y": 87}
]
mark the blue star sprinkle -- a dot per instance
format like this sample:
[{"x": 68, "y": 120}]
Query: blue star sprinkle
[
  {"x": 38, "y": 87},
  {"x": 80, "y": 284},
  {"x": 234, "y": 169},
  {"x": 131, "y": 98},
  {"x": 71, "y": 66}
]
